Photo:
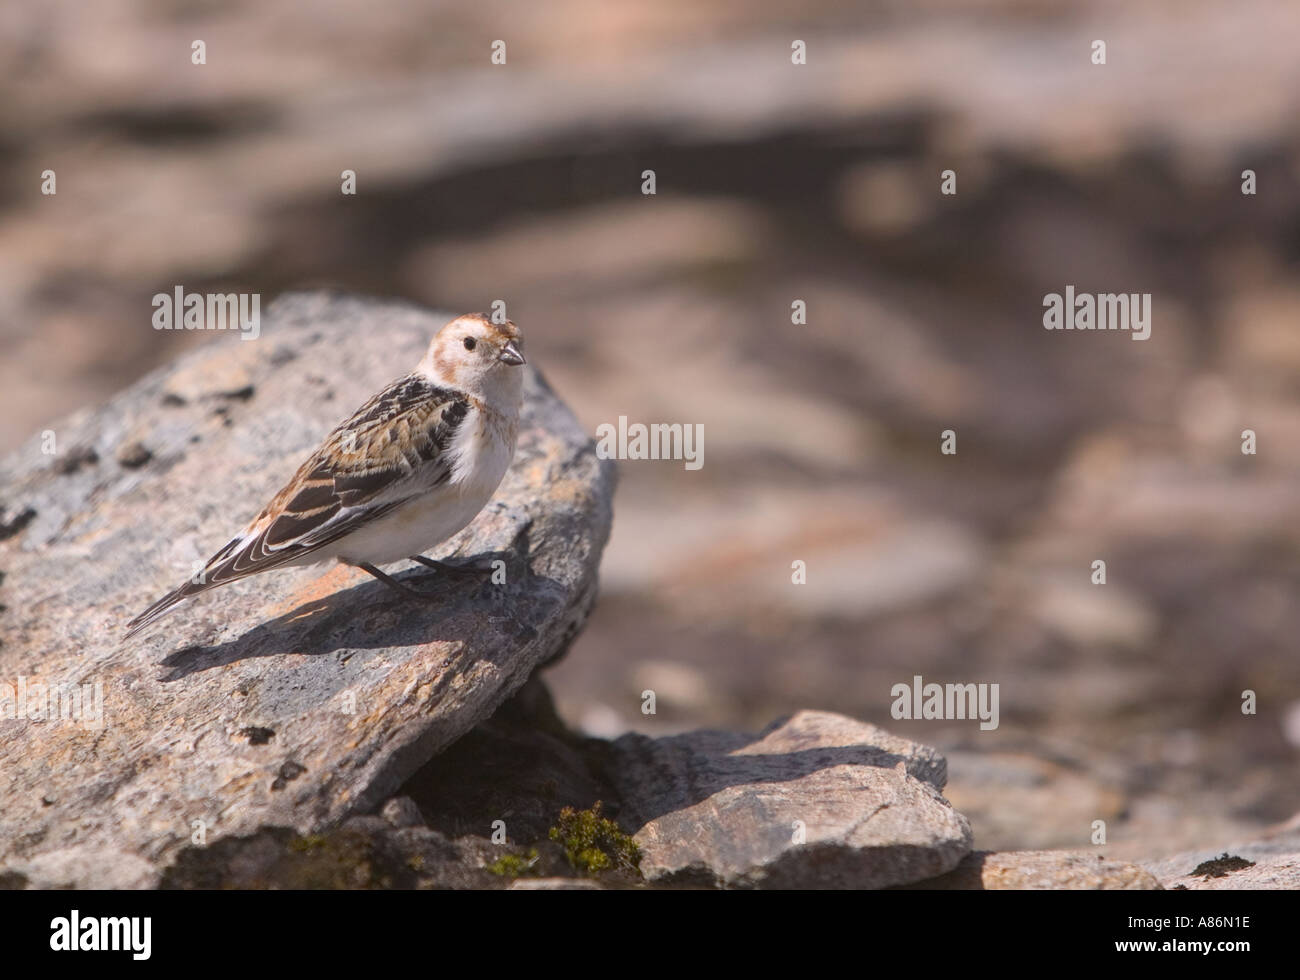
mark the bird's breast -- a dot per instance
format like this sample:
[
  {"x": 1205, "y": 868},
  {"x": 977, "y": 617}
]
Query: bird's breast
[
  {"x": 480, "y": 454},
  {"x": 481, "y": 450}
]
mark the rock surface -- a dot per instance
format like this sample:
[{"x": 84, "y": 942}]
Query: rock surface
[
  {"x": 296, "y": 698},
  {"x": 816, "y": 800},
  {"x": 869, "y": 801},
  {"x": 1273, "y": 862},
  {"x": 985, "y": 870}
]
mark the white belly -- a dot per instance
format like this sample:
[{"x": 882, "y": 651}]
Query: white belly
[
  {"x": 415, "y": 528},
  {"x": 424, "y": 523}
]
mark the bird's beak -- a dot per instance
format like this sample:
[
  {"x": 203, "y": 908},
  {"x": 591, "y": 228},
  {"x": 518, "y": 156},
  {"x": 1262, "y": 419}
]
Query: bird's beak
[{"x": 510, "y": 354}]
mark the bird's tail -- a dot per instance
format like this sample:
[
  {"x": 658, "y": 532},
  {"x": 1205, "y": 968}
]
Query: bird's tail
[
  {"x": 210, "y": 579},
  {"x": 164, "y": 605},
  {"x": 229, "y": 564}
]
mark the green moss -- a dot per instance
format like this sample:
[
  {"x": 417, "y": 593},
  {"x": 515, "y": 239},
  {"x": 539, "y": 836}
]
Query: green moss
[
  {"x": 515, "y": 865},
  {"x": 338, "y": 859},
  {"x": 593, "y": 843}
]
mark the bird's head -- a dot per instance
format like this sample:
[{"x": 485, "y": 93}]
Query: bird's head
[{"x": 474, "y": 354}]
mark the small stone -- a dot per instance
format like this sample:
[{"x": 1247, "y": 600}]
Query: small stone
[
  {"x": 402, "y": 811},
  {"x": 816, "y": 801},
  {"x": 75, "y": 459},
  {"x": 13, "y": 520},
  {"x": 133, "y": 454},
  {"x": 288, "y": 773},
  {"x": 257, "y": 735}
]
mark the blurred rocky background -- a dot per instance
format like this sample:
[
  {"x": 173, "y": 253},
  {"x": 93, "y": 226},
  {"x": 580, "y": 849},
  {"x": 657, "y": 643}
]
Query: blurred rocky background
[{"x": 776, "y": 182}]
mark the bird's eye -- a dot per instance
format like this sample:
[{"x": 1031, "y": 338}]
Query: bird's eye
[{"x": 469, "y": 343}]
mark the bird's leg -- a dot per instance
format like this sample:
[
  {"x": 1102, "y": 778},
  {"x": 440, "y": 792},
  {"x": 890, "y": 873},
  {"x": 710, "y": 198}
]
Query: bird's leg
[
  {"x": 392, "y": 583},
  {"x": 442, "y": 566}
]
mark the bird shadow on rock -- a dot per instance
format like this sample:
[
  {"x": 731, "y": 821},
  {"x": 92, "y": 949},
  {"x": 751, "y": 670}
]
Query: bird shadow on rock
[{"x": 370, "y": 616}]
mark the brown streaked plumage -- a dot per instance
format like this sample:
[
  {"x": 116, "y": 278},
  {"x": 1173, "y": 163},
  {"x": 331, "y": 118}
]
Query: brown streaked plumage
[{"x": 417, "y": 460}]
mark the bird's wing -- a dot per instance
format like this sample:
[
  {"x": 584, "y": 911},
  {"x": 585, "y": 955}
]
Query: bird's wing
[{"x": 394, "y": 448}]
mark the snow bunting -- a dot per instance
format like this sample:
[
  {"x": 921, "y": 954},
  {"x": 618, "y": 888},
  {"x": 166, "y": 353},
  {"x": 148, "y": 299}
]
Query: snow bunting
[{"x": 409, "y": 469}]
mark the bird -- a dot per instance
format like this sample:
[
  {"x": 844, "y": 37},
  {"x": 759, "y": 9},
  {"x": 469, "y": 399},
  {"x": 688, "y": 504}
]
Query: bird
[{"x": 408, "y": 469}]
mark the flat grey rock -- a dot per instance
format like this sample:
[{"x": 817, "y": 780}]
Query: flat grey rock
[
  {"x": 817, "y": 800},
  {"x": 1041, "y": 871},
  {"x": 295, "y": 698}
]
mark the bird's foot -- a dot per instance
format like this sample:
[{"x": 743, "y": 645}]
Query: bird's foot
[
  {"x": 449, "y": 568},
  {"x": 392, "y": 583}
]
